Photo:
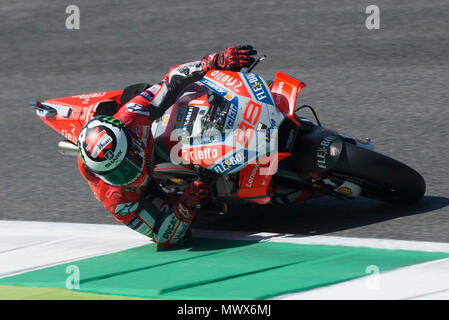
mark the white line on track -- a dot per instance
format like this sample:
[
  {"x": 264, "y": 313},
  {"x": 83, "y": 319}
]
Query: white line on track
[{"x": 429, "y": 280}]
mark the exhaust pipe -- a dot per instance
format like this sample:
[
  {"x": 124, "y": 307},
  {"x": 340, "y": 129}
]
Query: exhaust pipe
[{"x": 67, "y": 148}]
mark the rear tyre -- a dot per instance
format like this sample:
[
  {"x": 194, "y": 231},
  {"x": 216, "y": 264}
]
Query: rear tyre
[{"x": 381, "y": 177}]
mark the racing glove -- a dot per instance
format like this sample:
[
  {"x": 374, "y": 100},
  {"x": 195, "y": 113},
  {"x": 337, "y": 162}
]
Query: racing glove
[
  {"x": 191, "y": 199},
  {"x": 232, "y": 59}
]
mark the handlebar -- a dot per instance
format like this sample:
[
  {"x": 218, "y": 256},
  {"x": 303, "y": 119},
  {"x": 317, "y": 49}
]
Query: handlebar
[{"x": 251, "y": 67}]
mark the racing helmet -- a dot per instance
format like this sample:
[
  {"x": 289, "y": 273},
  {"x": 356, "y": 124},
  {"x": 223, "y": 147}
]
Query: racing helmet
[{"x": 111, "y": 151}]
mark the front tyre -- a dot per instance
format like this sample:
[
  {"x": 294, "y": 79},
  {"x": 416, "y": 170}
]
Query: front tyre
[{"x": 381, "y": 177}]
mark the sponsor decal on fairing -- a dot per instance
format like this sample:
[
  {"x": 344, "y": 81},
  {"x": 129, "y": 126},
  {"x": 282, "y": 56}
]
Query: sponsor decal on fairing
[
  {"x": 232, "y": 115},
  {"x": 234, "y": 162},
  {"x": 220, "y": 90},
  {"x": 324, "y": 150},
  {"x": 86, "y": 97},
  {"x": 258, "y": 88},
  {"x": 228, "y": 80}
]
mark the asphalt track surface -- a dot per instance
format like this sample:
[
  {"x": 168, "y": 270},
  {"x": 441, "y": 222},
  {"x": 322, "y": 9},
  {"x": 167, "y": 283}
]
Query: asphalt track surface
[{"x": 389, "y": 84}]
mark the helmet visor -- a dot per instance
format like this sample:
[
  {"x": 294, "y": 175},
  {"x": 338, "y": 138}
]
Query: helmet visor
[{"x": 129, "y": 170}]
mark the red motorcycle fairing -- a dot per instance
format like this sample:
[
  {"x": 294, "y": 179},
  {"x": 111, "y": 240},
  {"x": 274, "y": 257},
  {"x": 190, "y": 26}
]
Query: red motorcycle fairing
[
  {"x": 255, "y": 178},
  {"x": 68, "y": 115},
  {"x": 285, "y": 90}
]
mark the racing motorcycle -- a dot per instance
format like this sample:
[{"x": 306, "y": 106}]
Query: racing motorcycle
[{"x": 245, "y": 136}]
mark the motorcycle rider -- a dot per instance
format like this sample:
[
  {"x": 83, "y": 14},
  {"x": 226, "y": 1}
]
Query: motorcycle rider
[{"x": 115, "y": 154}]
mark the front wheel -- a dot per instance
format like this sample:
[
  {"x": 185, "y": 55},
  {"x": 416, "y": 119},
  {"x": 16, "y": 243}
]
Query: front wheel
[{"x": 380, "y": 177}]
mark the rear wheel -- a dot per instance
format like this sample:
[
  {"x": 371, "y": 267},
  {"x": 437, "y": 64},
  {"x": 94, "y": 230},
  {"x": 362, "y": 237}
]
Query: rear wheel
[{"x": 381, "y": 177}]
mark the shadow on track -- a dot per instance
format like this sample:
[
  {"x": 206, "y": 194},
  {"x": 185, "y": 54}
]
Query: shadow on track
[{"x": 318, "y": 216}]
